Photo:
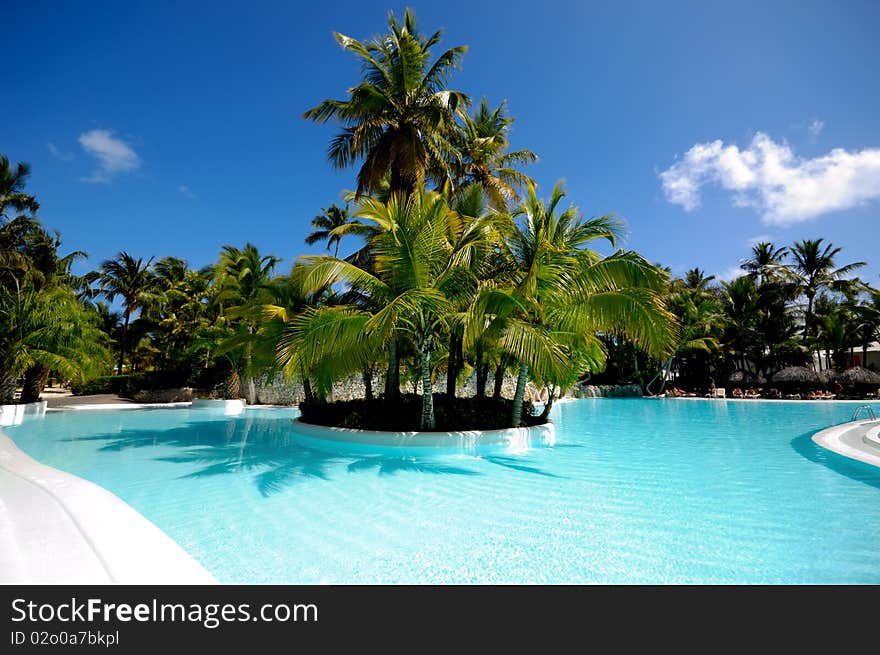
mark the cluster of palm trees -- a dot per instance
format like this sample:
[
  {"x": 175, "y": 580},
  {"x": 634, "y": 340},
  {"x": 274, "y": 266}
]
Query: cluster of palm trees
[
  {"x": 473, "y": 273},
  {"x": 792, "y": 306},
  {"x": 44, "y": 324},
  {"x": 459, "y": 268}
]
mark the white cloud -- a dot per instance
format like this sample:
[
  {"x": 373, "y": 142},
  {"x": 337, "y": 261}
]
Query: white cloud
[
  {"x": 185, "y": 191},
  {"x": 730, "y": 274},
  {"x": 760, "y": 238},
  {"x": 815, "y": 127},
  {"x": 58, "y": 153},
  {"x": 114, "y": 155},
  {"x": 769, "y": 177}
]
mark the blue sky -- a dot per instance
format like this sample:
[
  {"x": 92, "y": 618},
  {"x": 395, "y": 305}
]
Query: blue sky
[{"x": 174, "y": 128}]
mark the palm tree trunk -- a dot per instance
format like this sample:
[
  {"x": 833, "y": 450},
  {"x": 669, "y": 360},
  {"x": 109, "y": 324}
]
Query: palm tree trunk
[
  {"x": 249, "y": 378},
  {"x": 7, "y": 387},
  {"x": 392, "y": 379},
  {"x": 521, "y": 380},
  {"x": 122, "y": 339},
  {"x": 427, "y": 422},
  {"x": 551, "y": 396},
  {"x": 482, "y": 372},
  {"x": 452, "y": 364},
  {"x": 368, "y": 383},
  {"x": 808, "y": 317},
  {"x": 499, "y": 380},
  {"x": 34, "y": 382},
  {"x": 308, "y": 396}
]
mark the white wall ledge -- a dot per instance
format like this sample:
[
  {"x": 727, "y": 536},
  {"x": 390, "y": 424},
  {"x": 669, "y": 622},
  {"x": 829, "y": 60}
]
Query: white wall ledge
[
  {"x": 855, "y": 439},
  {"x": 56, "y": 528},
  {"x": 511, "y": 438}
]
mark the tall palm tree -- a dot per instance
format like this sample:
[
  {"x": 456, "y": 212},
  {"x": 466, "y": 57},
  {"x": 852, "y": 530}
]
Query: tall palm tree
[
  {"x": 814, "y": 270},
  {"x": 482, "y": 142},
  {"x": 242, "y": 277},
  {"x": 12, "y": 194},
  {"x": 400, "y": 117},
  {"x": 18, "y": 219},
  {"x": 767, "y": 262},
  {"x": 563, "y": 294},
  {"x": 697, "y": 280},
  {"x": 132, "y": 280},
  {"x": 48, "y": 328},
  {"x": 332, "y": 224}
]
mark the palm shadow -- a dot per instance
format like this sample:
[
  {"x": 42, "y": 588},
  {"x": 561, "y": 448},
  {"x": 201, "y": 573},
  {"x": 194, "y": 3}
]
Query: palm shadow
[
  {"x": 853, "y": 469},
  {"x": 266, "y": 447},
  {"x": 513, "y": 464}
]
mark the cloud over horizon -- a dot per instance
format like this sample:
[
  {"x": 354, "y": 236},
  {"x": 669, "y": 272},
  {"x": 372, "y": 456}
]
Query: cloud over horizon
[
  {"x": 58, "y": 153},
  {"x": 767, "y": 176},
  {"x": 114, "y": 155}
]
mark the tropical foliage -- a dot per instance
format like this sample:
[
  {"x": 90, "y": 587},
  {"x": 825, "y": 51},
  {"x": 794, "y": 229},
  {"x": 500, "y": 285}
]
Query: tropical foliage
[{"x": 444, "y": 264}]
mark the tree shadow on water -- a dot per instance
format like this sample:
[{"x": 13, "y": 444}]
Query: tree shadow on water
[
  {"x": 266, "y": 447},
  {"x": 853, "y": 469},
  {"x": 514, "y": 464}
]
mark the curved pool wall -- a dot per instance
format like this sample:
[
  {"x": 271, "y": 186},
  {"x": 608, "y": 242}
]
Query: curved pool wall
[
  {"x": 14, "y": 414},
  {"x": 509, "y": 440},
  {"x": 858, "y": 440},
  {"x": 632, "y": 491},
  {"x": 56, "y": 528}
]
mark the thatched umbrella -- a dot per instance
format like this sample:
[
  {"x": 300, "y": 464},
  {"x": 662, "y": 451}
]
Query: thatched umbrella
[
  {"x": 740, "y": 378},
  {"x": 827, "y": 376},
  {"x": 858, "y": 376},
  {"x": 744, "y": 378},
  {"x": 795, "y": 376}
]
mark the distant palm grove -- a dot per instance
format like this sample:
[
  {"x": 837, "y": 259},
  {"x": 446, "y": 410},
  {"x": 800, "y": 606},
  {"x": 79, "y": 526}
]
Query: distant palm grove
[{"x": 444, "y": 261}]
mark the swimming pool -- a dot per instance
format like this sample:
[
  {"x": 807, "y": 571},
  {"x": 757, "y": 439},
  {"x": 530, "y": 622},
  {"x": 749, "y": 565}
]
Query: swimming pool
[{"x": 633, "y": 491}]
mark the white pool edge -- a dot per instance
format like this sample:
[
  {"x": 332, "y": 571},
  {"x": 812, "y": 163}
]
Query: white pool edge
[
  {"x": 80, "y": 532},
  {"x": 544, "y": 434},
  {"x": 831, "y": 439}
]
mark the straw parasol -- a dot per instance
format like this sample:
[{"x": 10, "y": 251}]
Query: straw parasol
[
  {"x": 796, "y": 375},
  {"x": 860, "y": 376},
  {"x": 827, "y": 376},
  {"x": 745, "y": 378}
]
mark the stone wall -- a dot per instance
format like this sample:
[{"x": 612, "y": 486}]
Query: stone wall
[
  {"x": 276, "y": 391},
  {"x": 180, "y": 395},
  {"x": 606, "y": 391}
]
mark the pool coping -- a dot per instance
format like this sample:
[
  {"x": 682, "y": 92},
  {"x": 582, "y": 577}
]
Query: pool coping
[
  {"x": 832, "y": 439},
  {"x": 58, "y": 528}
]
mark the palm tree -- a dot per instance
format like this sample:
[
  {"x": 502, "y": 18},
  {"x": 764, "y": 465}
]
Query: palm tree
[
  {"x": 332, "y": 224},
  {"x": 400, "y": 117},
  {"x": 482, "y": 141},
  {"x": 242, "y": 277},
  {"x": 814, "y": 270},
  {"x": 18, "y": 225},
  {"x": 12, "y": 193},
  {"x": 697, "y": 280},
  {"x": 765, "y": 263},
  {"x": 48, "y": 328},
  {"x": 419, "y": 274},
  {"x": 132, "y": 280},
  {"x": 563, "y": 294}
]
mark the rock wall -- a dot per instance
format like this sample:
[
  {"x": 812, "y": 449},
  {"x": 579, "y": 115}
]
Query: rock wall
[
  {"x": 180, "y": 395},
  {"x": 606, "y": 391},
  {"x": 276, "y": 391}
]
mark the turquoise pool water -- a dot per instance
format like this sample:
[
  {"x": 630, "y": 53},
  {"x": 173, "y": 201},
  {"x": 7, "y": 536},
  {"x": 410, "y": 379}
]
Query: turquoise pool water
[{"x": 634, "y": 491}]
